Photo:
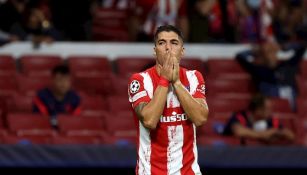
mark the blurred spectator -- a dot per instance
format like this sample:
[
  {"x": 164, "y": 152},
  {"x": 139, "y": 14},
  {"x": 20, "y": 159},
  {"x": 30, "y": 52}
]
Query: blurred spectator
[
  {"x": 59, "y": 98},
  {"x": 287, "y": 19},
  {"x": 273, "y": 78},
  {"x": 35, "y": 27},
  {"x": 249, "y": 22},
  {"x": 149, "y": 14},
  {"x": 258, "y": 123},
  {"x": 255, "y": 22},
  {"x": 213, "y": 21},
  {"x": 10, "y": 12}
]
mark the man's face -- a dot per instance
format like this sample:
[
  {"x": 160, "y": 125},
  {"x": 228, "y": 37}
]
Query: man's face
[
  {"x": 61, "y": 83},
  {"x": 168, "y": 42},
  {"x": 266, "y": 111}
]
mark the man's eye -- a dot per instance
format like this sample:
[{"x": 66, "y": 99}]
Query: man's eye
[{"x": 161, "y": 43}]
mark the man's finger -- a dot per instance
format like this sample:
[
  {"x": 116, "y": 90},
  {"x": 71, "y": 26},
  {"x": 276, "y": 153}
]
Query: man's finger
[{"x": 168, "y": 58}]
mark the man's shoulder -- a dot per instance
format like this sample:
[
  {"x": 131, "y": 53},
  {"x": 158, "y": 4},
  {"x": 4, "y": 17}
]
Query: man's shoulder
[
  {"x": 140, "y": 75},
  {"x": 192, "y": 71},
  {"x": 43, "y": 92}
]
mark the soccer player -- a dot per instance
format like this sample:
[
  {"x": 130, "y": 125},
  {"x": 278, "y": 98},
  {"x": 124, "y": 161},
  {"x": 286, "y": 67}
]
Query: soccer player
[{"x": 168, "y": 103}]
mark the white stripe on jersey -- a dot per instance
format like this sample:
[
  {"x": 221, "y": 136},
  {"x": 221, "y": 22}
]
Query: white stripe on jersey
[
  {"x": 193, "y": 81},
  {"x": 137, "y": 96},
  {"x": 172, "y": 99},
  {"x": 195, "y": 166},
  {"x": 174, "y": 149},
  {"x": 144, "y": 151},
  {"x": 148, "y": 86}
]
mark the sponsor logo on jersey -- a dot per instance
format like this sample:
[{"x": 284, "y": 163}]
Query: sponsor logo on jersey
[{"x": 173, "y": 118}]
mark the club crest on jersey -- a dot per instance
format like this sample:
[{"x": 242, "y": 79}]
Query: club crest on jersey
[
  {"x": 202, "y": 89},
  {"x": 134, "y": 86}
]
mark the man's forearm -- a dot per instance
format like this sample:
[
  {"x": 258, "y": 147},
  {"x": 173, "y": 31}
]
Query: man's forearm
[
  {"x": 151, "y": 112},
  {"x": 196, "y": 111}
]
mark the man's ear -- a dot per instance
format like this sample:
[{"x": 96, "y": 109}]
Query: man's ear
[
  {"x": 154, "y": 51},
  {"x": 182, "y": 51}
]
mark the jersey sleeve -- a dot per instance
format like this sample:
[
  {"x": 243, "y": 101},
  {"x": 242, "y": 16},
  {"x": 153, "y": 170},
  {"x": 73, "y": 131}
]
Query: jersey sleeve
[
  {"x": 136, "y": 91},
  {"x": 201, "y": 88}
]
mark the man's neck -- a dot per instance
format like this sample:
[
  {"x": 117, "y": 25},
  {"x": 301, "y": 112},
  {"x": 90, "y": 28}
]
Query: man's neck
[{"x": 158, "y": 68}]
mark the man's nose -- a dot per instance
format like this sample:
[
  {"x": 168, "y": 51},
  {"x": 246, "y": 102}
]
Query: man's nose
[{"x": 168, "y": 47}]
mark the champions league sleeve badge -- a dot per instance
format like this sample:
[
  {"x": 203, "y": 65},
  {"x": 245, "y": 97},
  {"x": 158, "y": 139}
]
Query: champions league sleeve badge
[{"x": 134, "y": 86}]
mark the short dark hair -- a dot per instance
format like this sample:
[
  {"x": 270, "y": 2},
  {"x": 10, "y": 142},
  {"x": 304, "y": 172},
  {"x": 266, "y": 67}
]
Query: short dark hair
[
  {"x": 257, "y": 102},
  {"x": 168, "y": 28},
  {"x": 61, "y": 69}
]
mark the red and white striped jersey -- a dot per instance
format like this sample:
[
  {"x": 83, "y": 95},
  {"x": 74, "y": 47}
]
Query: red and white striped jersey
[{"x": 170, "y": 149}]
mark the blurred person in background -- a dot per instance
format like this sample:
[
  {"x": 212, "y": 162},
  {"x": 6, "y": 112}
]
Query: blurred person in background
[
  {"x": 168, "y": 103},
  {"x": 149, "y": 14},
  {"x": 213, "y": 21},
  {"x": 257, "y": 122},
  {"x": 59, "y": 98},
  {"x": 11, "y": 12},
  {"x": 272, "y": 77},
  {"x": 255, "y": 20},
  {"x": 288, "y": 19},
  {"x": 249, "y": 21},
  {"x": 35, "y": 27}
]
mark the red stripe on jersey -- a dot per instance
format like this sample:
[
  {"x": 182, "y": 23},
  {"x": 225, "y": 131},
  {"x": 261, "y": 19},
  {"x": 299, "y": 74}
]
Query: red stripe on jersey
[
  {"x": 187, "y": 150},
  {"x": 159, "y": 143}
]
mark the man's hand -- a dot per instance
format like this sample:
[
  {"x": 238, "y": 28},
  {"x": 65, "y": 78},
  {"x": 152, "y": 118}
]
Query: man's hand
[
  {"x": 167, "y": 67},
  {"x": 176, "y": 67}
]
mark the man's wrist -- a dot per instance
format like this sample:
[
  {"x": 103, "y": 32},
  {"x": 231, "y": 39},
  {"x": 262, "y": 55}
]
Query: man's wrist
[
  {"x": 177, "y": 83},
  {"x": 163, "y": 82}
]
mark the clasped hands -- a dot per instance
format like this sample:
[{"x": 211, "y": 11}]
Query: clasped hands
[{"x": 170, "y": 68}]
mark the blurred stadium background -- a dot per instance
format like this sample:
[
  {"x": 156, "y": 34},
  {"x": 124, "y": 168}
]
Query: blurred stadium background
[{"x": 103, "y": 42}]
